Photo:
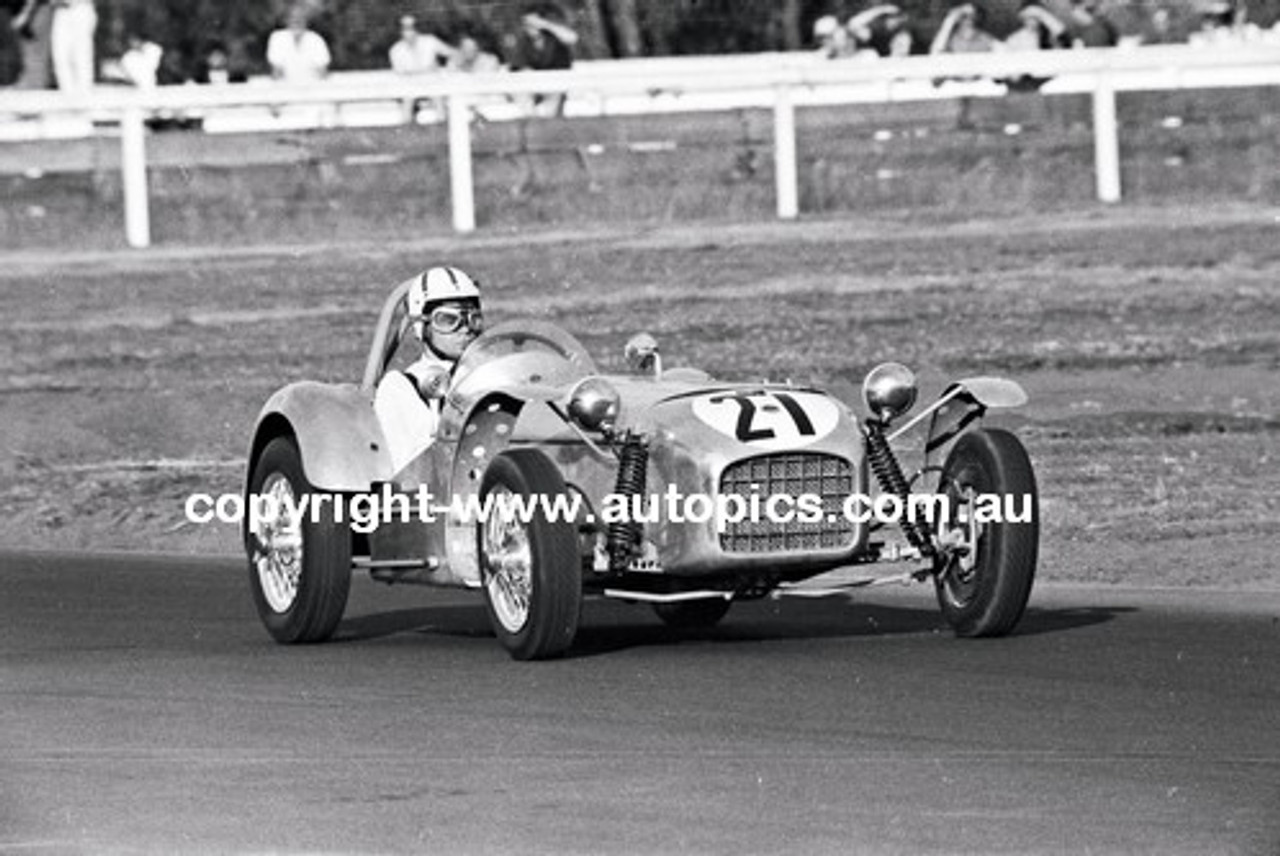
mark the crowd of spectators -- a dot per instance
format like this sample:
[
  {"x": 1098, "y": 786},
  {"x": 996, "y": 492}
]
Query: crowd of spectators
[
  {"x": 880, "y": 30},
  {"x": 544, "y": 39},
  {"x": 294, "y": 53},
  {"x": 886, "y": 30}
]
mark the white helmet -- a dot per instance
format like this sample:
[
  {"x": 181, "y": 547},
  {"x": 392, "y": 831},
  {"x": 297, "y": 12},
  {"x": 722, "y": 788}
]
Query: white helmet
[
  {"x": 437, "y": 284},
  {"x": 445, "y": 285}
]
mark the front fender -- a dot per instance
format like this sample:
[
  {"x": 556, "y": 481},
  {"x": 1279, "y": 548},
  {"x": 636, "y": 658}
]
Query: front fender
[
  {"x": 961, "y": 405},
  {"x": 337, "y": 432}
]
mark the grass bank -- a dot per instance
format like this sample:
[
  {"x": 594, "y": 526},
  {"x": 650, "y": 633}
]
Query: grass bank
[{"x": 947, "y": 160}]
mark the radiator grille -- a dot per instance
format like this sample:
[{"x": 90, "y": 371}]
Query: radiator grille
[{"x": 826, "y": 476}]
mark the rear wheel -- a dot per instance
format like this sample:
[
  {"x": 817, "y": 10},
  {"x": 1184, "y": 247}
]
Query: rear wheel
[
  {"x": 531, "y": 570},
  {"x": 984, "y": 584},
  {"x": 299, "y": 568}
]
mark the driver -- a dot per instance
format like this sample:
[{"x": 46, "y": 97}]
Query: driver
[
  {"x": 444, "y": 304},
  {"x": 444, "y": 307}
]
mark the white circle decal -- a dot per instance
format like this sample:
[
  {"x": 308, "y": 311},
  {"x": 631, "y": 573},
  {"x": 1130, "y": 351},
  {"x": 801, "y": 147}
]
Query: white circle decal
[{"x": 768, "y": 418}]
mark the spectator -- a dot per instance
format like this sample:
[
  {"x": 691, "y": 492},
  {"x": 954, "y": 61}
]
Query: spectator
[
  {"x": 881, "y": 29},
  {"x": 834, "y": 41},
  {"x": 34, "y": 24},
  {"x": 71, "y": 43},
  {"x": 216, "y": 67},
  {"x": 223, "y": 63},
  {"x": 1038, "y": 30},
  {"x": 543, "y": 45},
  {"x": 419, "y": 53},
  {"x": 298, "y": 54},
  {"x": 13, "y": 18},
  {"x": 1224, "y": 23},
  {"x": 470, "y": 57},
  {"x": 1089, "y": 28},
  {"x": 961, "y": 32},
  {"x": 140, "y": 64},
  {"x": 1159, "y": 29},
  {"x": 145, "y": 65}
]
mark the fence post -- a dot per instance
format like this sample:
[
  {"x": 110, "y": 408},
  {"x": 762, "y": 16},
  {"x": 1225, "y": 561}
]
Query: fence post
[
  {"x": 460, "y": 180},
  {"x": 1106, "y": 141},
  {"x": 784, "y": 153},
  {"x": 133, "y": 177}
]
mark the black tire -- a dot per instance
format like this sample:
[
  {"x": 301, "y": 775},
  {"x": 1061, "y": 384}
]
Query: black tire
[
  {"x": 545, "y": 624},
  {"x": 692, "y": 614},
  {"x": 989, "y": 598},
  {"x": 324, "y": 579}
]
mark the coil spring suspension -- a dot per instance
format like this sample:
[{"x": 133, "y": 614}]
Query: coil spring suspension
[
  {"x": 624, "y": 535},
  {"x": 889, "y": 474}
]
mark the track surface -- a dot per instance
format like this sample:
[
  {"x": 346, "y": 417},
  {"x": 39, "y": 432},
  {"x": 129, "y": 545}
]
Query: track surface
[{"x": 142, "y": 708}]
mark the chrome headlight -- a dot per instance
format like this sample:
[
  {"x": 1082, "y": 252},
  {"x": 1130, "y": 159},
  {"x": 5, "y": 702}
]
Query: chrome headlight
[
  {"x": 594, "y": 404},
  {"x": 889, "y": 390}
]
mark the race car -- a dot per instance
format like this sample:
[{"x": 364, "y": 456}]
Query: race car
[{"x": 548, "y": 482}]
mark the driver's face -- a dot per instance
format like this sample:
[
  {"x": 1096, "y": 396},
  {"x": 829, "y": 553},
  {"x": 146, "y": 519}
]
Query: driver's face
[{"x": 453, "y": 325}]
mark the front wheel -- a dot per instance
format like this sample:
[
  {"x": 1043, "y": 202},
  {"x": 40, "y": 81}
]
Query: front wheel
[
  {"x": 299, "y": 564},
  {"x": 984, "y": 580},
  {"x": 530, "y": 569}
]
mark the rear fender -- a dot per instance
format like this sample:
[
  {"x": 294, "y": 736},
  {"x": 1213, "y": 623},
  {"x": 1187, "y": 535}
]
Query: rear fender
[{"x": 338, "y": 436}]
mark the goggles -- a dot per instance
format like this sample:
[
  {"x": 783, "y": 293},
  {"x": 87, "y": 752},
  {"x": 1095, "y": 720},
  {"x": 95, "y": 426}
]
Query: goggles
[{"x": 451, "y": 319}]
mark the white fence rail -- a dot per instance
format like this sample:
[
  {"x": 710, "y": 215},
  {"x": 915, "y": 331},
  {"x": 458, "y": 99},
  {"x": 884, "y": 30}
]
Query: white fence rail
[{"x": 780, "y": 81}]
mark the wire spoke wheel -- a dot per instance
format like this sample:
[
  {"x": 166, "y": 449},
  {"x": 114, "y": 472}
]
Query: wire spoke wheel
[
  {"x": 530, "y": 567},
  {"x": 509, "y": 563},
  {"x": 959, "y": 576},
  {"x": 299, "y": 566},
  {"x": 278, "y": 558}
]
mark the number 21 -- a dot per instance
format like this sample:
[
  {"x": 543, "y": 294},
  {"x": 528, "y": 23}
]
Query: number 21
[{"x": 747, "y": 414}]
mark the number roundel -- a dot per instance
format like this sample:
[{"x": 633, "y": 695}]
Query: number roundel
[{"x": 768, "y": 419}]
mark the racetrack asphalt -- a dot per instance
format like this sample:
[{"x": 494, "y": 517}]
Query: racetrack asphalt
[{"x": 144, "y": 709}]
